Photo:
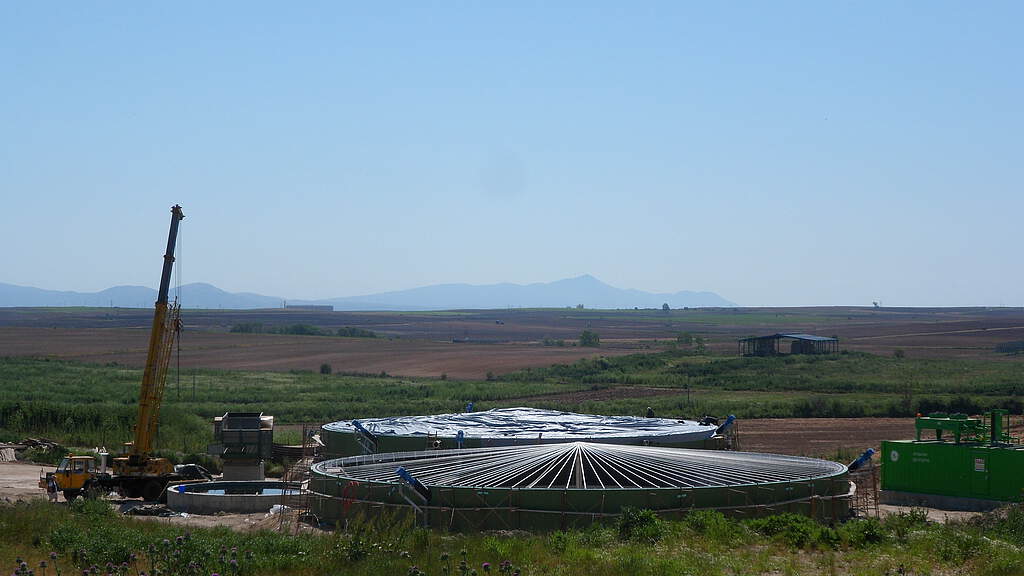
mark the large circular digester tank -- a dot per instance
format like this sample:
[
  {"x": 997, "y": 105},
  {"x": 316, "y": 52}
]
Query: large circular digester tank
[
  {"x": 557, "y": 486},
  {"x": 507, "y": 427}
]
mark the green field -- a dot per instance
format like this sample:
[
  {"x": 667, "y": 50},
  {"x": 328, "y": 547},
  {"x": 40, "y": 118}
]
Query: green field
[{"x": 88, "y": 405}]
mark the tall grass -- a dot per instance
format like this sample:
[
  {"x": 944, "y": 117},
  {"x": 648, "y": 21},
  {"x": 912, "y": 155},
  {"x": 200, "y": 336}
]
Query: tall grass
[{"x": 87, "y": 533}]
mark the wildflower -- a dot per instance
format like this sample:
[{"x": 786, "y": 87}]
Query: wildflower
[
  {"x": 486, "y": 566},
  {"x": 53, "y": 555},
  {"x": 179, "y": 540},
  {"x": 42, "y": 564},
  {"x": 234, "y": 563},
  {"x": 167, "y": 542},
  {"x": 444, "y": 556}
]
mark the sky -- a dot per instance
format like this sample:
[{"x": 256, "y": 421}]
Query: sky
[{"x": 776, "y": 153}]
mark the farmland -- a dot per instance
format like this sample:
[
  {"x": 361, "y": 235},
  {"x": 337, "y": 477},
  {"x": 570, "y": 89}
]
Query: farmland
[
  {"x": 72, "y": 376},
  {"x": 469, "y": 344}
]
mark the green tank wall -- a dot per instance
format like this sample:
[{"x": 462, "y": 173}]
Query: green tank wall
[
  {"x": 950, "y": 469},
  {"x": 462, "y": 509}
]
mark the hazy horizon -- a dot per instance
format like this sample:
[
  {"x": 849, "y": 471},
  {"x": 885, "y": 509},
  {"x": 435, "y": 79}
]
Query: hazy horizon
[{"x": 784, "y": 154}]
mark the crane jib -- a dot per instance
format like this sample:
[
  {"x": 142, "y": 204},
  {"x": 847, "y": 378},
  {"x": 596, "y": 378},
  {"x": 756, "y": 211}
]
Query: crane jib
[{"x": 172, "y": 238}]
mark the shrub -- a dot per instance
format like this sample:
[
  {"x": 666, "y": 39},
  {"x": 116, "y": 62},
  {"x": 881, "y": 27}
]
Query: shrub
[
  {"x": 902, "y": 524},
  {"x": 350, "y": 332},
  {"x": 590, "y": 338},
  {"x": 640, "y": 526},
  {"x": 793, "y": 529},
  {"x": 714, "y": 525},
  {"x": 862, "y": 532}
]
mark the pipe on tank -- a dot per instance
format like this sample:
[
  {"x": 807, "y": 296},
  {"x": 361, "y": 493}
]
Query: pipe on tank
[
  {"x": 862, "y": 459},
  {"x": 726, "y": 425}
]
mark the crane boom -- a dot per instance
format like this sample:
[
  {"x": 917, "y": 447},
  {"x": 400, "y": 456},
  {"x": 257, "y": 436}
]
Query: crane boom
[
  {"x": 161, "y": 336},
  {"x": 138, "y": 472}
]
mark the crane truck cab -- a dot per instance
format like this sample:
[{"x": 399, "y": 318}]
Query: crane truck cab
[{"x": 72, "y": 475}]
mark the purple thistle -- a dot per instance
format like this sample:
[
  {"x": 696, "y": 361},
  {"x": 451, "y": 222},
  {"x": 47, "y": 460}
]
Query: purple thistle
[{"x": 486, "y": 566}]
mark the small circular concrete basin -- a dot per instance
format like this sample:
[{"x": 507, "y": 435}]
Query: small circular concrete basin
[{"x": 242, "y": 497}]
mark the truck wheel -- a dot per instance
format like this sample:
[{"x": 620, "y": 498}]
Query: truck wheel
[
  {"x": 91, "y": 491},
  {"x": 70, "y": 495},
  {"x": 152, "y": 490}
]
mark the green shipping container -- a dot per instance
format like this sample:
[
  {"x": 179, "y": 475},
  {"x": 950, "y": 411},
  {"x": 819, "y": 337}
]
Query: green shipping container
[{"x": 965, "y": 470}]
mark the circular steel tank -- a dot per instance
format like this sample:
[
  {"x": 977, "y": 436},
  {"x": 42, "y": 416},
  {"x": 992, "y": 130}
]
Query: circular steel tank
[
  {"x": 509, "y": 426},
  {"x": 556, "y": 486}
]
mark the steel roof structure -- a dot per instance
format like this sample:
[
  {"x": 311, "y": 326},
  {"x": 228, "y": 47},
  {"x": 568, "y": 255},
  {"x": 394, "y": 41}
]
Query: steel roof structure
[{"x": 557, "y": 485}]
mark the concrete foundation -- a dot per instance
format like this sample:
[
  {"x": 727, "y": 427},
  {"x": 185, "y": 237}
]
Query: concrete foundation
[
  {"x": 237, "y": 497},
  {"x": 897, "y": 498}
]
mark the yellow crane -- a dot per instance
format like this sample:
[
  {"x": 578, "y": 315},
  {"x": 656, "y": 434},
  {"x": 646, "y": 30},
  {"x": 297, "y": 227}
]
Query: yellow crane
[{"x": 139, "y": 473}]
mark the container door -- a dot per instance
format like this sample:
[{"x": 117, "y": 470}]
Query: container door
[{"x": 979, "y": 473}]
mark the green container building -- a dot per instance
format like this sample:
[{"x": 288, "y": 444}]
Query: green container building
[{"x": 976, "y": 467}]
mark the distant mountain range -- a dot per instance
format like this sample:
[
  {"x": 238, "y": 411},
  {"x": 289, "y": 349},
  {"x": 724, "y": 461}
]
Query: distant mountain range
[{"x": 586, "y": 290}]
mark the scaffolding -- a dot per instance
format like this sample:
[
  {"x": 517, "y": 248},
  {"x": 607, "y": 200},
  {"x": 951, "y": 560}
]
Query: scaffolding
[
  {"x": 865, "y": 495},
  {"x": 296, "y": 505}
]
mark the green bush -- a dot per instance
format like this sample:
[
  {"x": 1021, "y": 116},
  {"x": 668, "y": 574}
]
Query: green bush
[
  {"x": 862, "y": 532},
  {"x": 640, "y": 526},
  {"x": 902, "y": 524},
  {"x": 793, "y": 529}
]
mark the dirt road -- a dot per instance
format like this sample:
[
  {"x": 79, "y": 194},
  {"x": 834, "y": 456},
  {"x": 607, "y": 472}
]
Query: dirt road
[{"x": 19, "y": 481}]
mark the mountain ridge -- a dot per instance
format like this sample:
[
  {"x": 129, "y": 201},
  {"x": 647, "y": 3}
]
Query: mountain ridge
[{"x": 586, "y": 290}]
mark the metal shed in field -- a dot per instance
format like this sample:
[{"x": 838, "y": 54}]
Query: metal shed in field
[
  {"x": 799, "y": 344},
  {"x": 557, "y": 486}
]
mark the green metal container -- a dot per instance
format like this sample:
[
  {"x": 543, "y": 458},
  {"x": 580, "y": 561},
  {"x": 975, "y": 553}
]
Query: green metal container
[{"x": 965, "y": 470}]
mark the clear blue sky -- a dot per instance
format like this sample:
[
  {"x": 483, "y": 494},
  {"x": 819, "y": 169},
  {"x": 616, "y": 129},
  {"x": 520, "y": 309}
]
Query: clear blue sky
[{"x": 776, "y": 153}]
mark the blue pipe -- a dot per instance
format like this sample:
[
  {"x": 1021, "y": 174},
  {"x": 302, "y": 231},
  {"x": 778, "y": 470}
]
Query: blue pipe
[
  {"x": 862, "y": 459},
  {"x": 726, "y": 425}
]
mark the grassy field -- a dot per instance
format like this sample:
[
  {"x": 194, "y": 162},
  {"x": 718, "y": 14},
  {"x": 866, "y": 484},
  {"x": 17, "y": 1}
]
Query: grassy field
[
  {"x": 86, "y": 405},
  {"x": 74, "y": 539}
]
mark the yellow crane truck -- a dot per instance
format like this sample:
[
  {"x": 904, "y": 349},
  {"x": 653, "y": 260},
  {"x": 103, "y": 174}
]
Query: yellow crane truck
[{"x": 137, "y": 473}]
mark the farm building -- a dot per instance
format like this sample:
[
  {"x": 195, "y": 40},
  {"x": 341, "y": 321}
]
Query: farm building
[{"x": 799, "y": 344}]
